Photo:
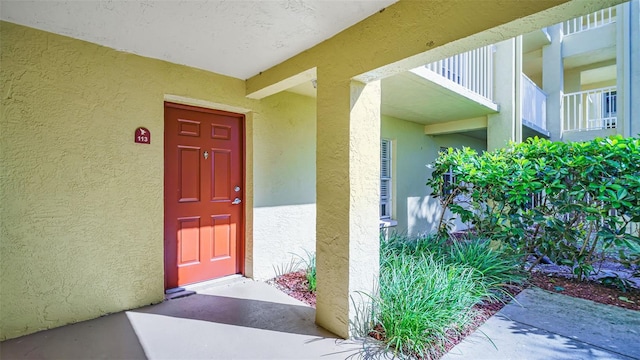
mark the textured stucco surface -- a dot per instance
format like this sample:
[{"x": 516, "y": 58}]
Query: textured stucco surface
[
  {"x": 348, "y": 158},
  {"x": 285, "y": 182},
  {"x": 82, "y": 205},
  {"x": 409, "y": 34},
  {"x": 552, "y": 81},
  {"x": 255, "y": 35},
  {"x": 414, "y": 209},
  {"x": 506, "y": 125}
]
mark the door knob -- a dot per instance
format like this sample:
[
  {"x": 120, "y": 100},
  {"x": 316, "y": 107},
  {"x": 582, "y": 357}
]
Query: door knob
[{"x": 236, "y": 201}]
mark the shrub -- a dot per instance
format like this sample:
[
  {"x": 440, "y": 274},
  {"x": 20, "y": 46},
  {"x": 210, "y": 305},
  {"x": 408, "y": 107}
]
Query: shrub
[
  {"x": 493, "y": 267},
  {"x": 571, "y": 202},
  {"x": 297, "y": 263},
  {"x": 311, "y": 271},
  {"x": 428, "y": 287},
  {"x": 421, "y": 299},
  {"x": 401, "y": 243}
]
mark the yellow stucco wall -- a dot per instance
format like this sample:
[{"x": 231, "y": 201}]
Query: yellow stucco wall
[
  {"x": 284, "y": 216},
  {"x": 82, "y": 205}
]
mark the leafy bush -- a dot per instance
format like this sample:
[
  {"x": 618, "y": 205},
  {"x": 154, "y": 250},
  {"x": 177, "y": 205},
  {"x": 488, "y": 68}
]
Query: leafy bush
[
  {"x": 571, "y": 202},
  {"x": 614, "y": 280}
]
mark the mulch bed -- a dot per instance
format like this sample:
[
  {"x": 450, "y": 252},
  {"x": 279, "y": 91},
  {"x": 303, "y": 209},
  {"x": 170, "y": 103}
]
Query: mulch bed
[
  {"x": 588, "y": 290},
  {"x": 295, "y": 284}
]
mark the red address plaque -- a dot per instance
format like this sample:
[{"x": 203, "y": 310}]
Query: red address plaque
[{"x": 142, "y": 136}]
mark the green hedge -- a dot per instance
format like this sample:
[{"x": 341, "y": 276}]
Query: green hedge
[{"x": 587, "y": 195}]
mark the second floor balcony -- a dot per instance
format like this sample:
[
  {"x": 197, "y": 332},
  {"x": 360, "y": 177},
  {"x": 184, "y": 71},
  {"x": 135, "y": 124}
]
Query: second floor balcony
[
  {"x": 534, "y": 106},
  {"x": 472, "y": 70},
  {"x": 590, "y": 110},
  {"x": 456, "y": 88},
  {"x": 590, "y": 21}
]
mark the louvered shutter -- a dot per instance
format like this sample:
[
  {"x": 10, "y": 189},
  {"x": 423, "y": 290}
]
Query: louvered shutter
[{"x": 385, "y": 178}]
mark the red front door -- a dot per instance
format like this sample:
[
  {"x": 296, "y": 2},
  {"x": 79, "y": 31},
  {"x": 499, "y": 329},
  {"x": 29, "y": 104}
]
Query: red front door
[{"x": 203, "y": 193}]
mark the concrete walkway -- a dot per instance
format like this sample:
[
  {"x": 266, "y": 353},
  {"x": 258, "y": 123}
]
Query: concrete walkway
[
  {"x": 241, "y": 320},
  {"x": 252, "y": 320},
  {"x": 547, "y": 325}
]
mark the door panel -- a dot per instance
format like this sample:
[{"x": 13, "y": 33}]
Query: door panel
[
  {"x": 189, "y": 173},
  {"x": 203, "y": 176},
  {"x": 221, "y": 237},
  {"x": 221, "y": 186},
  {"x": 188, "y": 241}
]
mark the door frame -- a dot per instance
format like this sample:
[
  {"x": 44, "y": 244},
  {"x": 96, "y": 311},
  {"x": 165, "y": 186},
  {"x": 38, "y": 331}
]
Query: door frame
[{"x": 241, "y": 230}]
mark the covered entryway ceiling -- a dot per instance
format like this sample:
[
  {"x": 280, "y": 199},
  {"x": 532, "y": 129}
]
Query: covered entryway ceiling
[{"x": 229, "y": 37}]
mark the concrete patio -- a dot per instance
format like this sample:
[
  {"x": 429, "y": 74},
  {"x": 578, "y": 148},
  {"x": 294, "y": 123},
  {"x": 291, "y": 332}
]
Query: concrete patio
[{"x": 246, "y": 319}]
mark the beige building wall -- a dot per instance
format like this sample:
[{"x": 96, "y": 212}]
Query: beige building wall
[
  {"x": 82, "y": 205},
  {"x": 414, "y": 209}
]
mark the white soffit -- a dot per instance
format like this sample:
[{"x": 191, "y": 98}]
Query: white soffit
[{"x": 230, "y": 37}]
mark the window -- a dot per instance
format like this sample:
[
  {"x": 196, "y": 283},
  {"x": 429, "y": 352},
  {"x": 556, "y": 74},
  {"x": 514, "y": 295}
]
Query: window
[
  {"x": 535, "y": 201},
  {"x": 385, "y": 179},
  {"x": 609, "y": 109},
  {"x": 448, "y": 177}
]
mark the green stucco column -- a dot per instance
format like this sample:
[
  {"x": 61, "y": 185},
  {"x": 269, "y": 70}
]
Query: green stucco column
[
  {"x": 553, "y": 80},
  {"x": 347, "y": 187},
  {"x": 628, "y": 68},
  {"x": 634, "y": 68},
  {"x": 506, "y": 125}
]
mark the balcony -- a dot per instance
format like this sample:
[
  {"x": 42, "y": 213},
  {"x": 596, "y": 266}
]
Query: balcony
[
  {"x": 590, "y": 110},
  {"x": 453, "y": 89},
  {"x": 590, "y": 21},
  {"x": 534, "y": 106},
  {"x": 472, "y": 70}
]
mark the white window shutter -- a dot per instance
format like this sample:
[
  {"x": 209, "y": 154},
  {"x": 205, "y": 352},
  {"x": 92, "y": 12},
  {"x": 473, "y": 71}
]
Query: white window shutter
[{"x": 385, "y": 178}]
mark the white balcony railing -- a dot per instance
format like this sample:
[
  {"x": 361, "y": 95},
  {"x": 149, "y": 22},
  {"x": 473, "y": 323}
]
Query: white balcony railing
[
  {"x": 591, "y": 21},
  {"x": 590, "y": 110},
  {"x": 534, "y": 105},
  {"x": 473, "y": 70}
]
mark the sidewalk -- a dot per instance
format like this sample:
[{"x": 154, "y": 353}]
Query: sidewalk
[{"x": 546, "y": 325}]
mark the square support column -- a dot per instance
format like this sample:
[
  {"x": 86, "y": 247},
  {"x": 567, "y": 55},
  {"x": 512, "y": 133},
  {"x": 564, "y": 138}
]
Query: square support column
[
  {"x": 506, "y": 125},
  {"x": 628, "y": 68},
  {"x": 553, "y": 81},
  {"x": 634, "y": 68},
  {"x": 348, "y": 200}
]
